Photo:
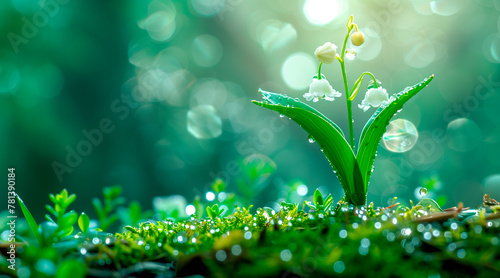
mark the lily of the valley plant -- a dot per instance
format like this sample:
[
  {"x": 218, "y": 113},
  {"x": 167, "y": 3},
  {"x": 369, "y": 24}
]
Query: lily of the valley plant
[{"x": 353, "y": 168}]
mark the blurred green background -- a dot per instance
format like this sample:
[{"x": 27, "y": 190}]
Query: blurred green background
[{"x": 155, "y": 95}]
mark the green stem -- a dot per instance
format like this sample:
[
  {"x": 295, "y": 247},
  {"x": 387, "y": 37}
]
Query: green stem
[
  {"x": 357, "y": 84},
  {"x": 348, "y": 101},
  {"x": 319, "y": 70}
]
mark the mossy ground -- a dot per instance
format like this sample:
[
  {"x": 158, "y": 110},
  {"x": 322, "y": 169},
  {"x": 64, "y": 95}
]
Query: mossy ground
[{"x": 291, "y": 243}]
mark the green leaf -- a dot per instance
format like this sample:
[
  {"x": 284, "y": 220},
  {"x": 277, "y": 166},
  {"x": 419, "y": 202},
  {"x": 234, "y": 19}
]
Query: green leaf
[
  {"x": 31, "y": 221},
  {"x": 98, "y": 207},
  {"x": 71, "y": 268},
  {"x": 69, "y": 219},
  {"x": 70, "y": 199},
  {"x": 215, "y": 209},
  {"x": 83, "y": 223},
  {"x": 49, "y": 218},
  {"x": 66, "y": 231},
  {"x": 318, "y": 198},
  {"x": 112, "y": 192},
  {"x": 53, "y": 198},
  {"x": 64, "y": 194},
  {"x": 376, "y": 126},
  {"x": 218, "y": 185},
  {"x": 131, "y": 229},
  {"x": 326, "y": 133},
  {"x": 210, "y": 213},
  {"x": 135, "y": 211},
  {"x": 51, "y": 209}
]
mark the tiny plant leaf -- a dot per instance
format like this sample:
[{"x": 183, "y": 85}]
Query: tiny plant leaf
[
  {"x": 83, "y": 223},
  {"x": 318, "y": 198},
  {"x": 31, "y": 221}
]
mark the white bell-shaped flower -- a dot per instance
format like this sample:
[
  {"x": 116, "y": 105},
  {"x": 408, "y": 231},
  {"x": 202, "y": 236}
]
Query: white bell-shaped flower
[
  {"x": 374, "y": 97},
  {"x": 326, "y": 53},
  {"x": 321, "y": 89}
]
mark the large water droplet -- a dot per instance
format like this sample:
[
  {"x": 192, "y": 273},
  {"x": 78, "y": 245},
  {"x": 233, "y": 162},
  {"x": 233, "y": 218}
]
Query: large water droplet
[
  {"x": 203, "y": 122},
  {"x": 401, "y": 136},
  {"x": 422, "y": 191},
  {"x": 311, "y": 139}
]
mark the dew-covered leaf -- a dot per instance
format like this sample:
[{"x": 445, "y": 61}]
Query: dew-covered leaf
[
  {"x": 376, "y": 126},
  {"x": 326, "y": 133}
]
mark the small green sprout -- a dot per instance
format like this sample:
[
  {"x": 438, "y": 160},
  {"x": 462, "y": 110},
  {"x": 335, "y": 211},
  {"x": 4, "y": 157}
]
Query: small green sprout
[
  {"x": 112, "y": 199},
  {"x": 215, "y": 212},
  {"x": 321, "y": 204},
  {"x": 218, "y": 185},
  {"x": 353, "y": 168},
  {"x": 64, "y": 220},
  {"x": 133, "y": 214}
]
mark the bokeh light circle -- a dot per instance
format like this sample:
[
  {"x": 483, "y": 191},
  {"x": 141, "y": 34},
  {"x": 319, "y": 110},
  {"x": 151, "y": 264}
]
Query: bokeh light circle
[
  {"x": 207, "y": 7},
  {"x": 463, "y": 135},
  {"x": 321, "y": 12},
  {"x": 491, "y": 185},
  {"x": 273, "y": 34},
  {"x": 210, "y": 92},
  {"x": 206, "y": 50},
  {"x": 297, "y": 70},
  {"x": 372, "y": 46},
  {"x": 203, "y": 122},
  {"x": 491, "y": 48},
  {"x": 421, "y": 53},
  {"x": 50, "y": 80},
  {"x": 447, "y": 7},
  {"x": 9, "y": 77},
  {"x": 160, "y": 25},
  {"x": 422, "y": 7}
]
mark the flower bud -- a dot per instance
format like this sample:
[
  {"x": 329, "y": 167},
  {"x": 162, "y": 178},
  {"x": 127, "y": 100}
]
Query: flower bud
[
  {"x": 326, "y": 53},
  {"x": 357, "y": 38}
]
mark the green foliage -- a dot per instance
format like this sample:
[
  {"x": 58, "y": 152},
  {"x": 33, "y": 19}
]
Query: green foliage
[
  {"x": 254, "y": 177},
  {"x": 321, "y": 204},
  {"x": 133, "y": 214},
  {"x": 64, "y": 220},
  {"x": 215, "y": 211},
  {"x": 353, "y": 171},
  {"x": 71, "y": 268},
  {"x": 31, "y": 221},
  {"x": 326, "y": 133},
  {"x": 218, "y": 185},
  {"x": 387, "y": 240},
  {"x": 105, "y": 209}
]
